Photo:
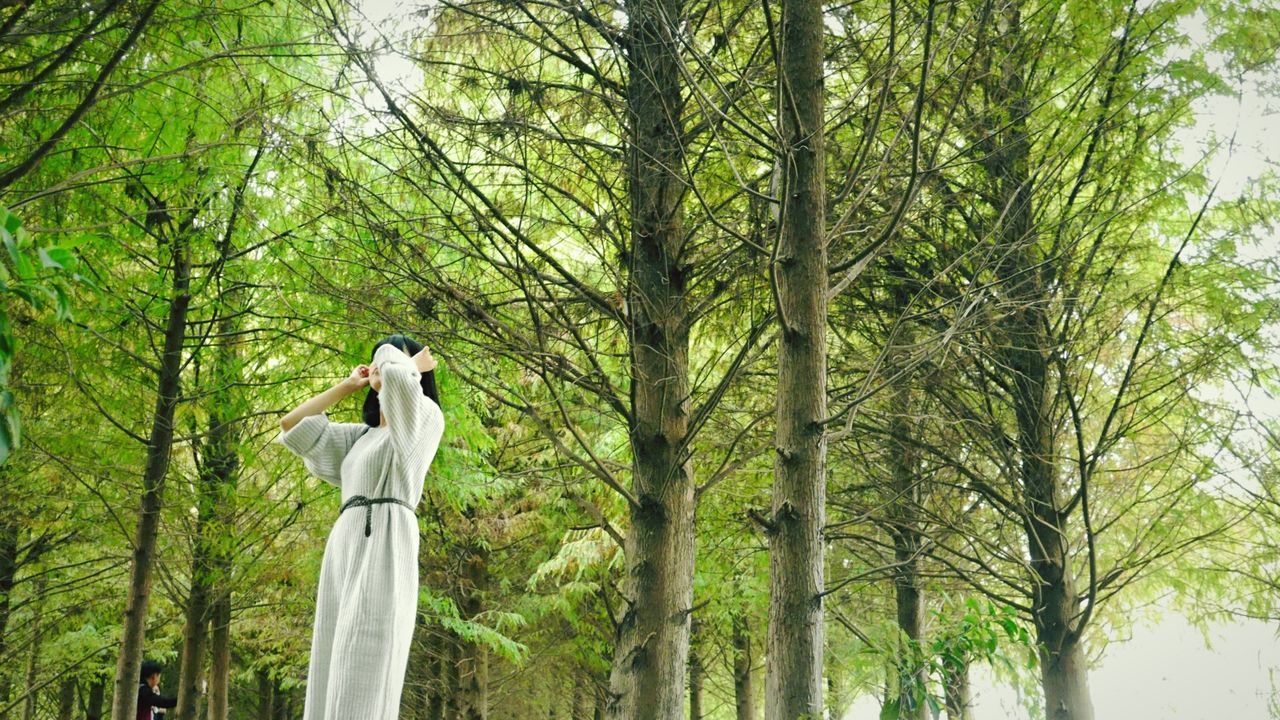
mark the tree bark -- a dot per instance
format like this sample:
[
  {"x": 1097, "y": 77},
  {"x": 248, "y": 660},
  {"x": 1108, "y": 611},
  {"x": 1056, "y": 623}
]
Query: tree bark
[
  {"x": 743, "y": 693},
  {"x": 1025, "y": 349},
  {"x": 956, "y": 686},
  {"x": 220, "y": 658},
  {"x": 97, "y": 698},
  {"x": 473, "y": 665},
  {"x": 219, "y": 478},
  {"x": 8, "y": 573},
  {"x": 651, "y": 648},
  {"x": 125, "y": 699},
  {"x": 439, "y": 686},
  {"x": 37, "y": 640},
  {"x": 904, "y": 528},
  {"x": 793, "y": 677},
  {"x": 197, "y": 617},
  {"x": 696, "y": 678},
  {"x": 67, "y": 698},
  {"x": 266, "y": 695}
]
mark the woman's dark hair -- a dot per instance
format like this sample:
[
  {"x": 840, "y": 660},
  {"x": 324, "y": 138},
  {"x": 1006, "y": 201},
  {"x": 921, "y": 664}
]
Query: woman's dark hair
[
  {"x": 151, "y": 667},
  {"x": 372, "y": 409}
]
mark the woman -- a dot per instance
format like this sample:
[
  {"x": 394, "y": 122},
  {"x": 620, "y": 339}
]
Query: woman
[{"x": 368, "y": 594}]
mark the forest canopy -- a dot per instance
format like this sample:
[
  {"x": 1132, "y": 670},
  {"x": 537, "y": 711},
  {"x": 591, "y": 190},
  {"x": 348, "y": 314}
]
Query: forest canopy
[{"x": 790, "y": 354}]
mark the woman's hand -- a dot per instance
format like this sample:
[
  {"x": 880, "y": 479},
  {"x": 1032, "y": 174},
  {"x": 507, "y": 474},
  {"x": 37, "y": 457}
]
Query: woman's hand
[
  {"x": 423, "y": 360},
  {"x": 359, "y": 377}
]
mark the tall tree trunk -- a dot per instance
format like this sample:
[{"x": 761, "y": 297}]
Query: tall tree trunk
[
  {"x": 220, "y": 476},
  {"x": 37, "y": 641},
  {"x": 266, "y": 695},
  {"x": 584, "y": 702},
  {"x": 8, "y": 572},
  {"x": 67, "y": 698},
  {"x": 220, "y": 657},
  {"x": 793, "y": 677},
  {"x": 651, "y": 649},
  {"x": 1025, "y": 349},
  {"x": 97, "y": 698},
  {"x": 197, "y": 614},
  {"x": 904, "y": 527},
  {"x": 956, "y": 687},
  {"x": 473, "y": 665},
  {"x": 125, "y": 699},
  {"x": 450, "y": 676},
  {"x": 695, "y": 674},
  {"x": 743, "y": 693},
  {"x": 413, "y": 702},
  {"x": 439, "y": 686}
]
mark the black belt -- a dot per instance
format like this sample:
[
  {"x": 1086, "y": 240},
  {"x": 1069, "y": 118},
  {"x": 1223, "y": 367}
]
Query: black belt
[{"x": 368, "y": 503}]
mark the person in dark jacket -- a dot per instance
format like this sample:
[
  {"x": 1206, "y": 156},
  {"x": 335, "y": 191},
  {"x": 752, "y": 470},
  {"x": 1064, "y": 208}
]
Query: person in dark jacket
[{"x": 148, "y": 697}]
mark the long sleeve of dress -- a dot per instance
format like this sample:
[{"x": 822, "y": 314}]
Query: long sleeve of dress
[
  {"x": 322, "y": 444},
  {"x": 414, "y": 420}
]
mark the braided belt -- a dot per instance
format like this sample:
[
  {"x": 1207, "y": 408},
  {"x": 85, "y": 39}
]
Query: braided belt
[{"x": 368, "y": 503}]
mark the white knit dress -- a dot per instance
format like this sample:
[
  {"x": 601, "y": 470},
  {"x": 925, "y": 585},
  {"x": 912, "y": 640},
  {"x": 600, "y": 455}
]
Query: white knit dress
[{"x": 368, "y": 594}]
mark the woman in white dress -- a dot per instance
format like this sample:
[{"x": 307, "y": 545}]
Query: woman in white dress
[{"x": 368, "y": 594}]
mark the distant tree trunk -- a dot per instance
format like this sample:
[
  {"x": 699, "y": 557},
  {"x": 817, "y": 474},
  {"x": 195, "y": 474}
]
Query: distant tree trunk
[
  {"x": 413, "y": 702},
  {"x": 266, "y": 695},
  {"x": 793, "y": 678},
  {"x": 439, "y": 686},
  {"x": 97, "y": 698},
  {"x": 125, "y": 699},
  {"x": 220, "y": 476},
  {"x": 197, "y": 615},
  {"x": 743, "y": 692},
  {"x": 37, "y": 641},
  {"x": 220, "y": 658},
  {"x": 1025, "y": 349},
  {"x": 695, "y": 674},
  {"x": 904, "y": 525},
  {"x": 8, "y": 571},
  {"x": 650, "y": 657},
  {"x": 956, "y": 688},
  {"x": 473, "y": 665},
  {"x": 450, "y": 676},
  {"x": 584, "y": 704},
  {"x": 67, "y": 698}
]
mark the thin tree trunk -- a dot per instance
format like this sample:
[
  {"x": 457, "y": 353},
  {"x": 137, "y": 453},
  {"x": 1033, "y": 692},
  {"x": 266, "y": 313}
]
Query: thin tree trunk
[
  {"x": 1026, "y": 349},
  {"x": 743, "y": 692},
  {"x": 266, "y": 695},
  {"x": 793, "y": 678},
  {"x": 956, "y": 687},
  {"x": 439, "y": 686},
  {"x": 450, "y": 676},
  {"x": 67, "y": 698},
  {"x": 695, "y": 674},
  {"x": 125, "y": 700},
  {"x": 904, "y": 527},
  {"x": 473, "y": 665},
  {"x": 651, "y": 649},
  {"x": 584, "y": 704},
  {"x": 8, "y": 572},
  {"x": 37, "y": 641},
  {"x": 197, "y": 614},
  {"x": 413, "y": 702},
  {"x": 220, "y": 658},
  {"x": 97, "y": 698}
]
